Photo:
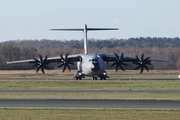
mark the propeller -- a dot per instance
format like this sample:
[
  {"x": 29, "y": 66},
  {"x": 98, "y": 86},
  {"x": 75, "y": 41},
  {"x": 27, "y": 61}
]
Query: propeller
[
  {"x": 142, "y": 63},
  {"x": 119, "y": 62},
  {"x": 64, "y": 62},
  {"x": 41, "y": 63}
]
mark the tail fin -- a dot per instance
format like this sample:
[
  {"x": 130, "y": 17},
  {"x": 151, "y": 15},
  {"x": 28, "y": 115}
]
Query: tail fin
[{"x": 85, "y": 34}]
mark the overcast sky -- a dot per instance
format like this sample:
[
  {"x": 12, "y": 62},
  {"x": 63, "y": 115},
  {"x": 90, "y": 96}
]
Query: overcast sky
[{"x": 32, "y": 19}]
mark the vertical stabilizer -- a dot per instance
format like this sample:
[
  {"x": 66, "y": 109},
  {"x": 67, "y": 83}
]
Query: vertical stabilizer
[
  {"x": 85, "y": 40},
  {"x": 85, "y": 30}
]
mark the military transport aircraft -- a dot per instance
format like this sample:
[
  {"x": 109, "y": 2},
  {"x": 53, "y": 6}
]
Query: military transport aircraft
[{"x": 90, "y": 64}]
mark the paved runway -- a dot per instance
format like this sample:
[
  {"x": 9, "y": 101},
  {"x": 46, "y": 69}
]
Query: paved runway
[{"x": 90, "y": 104}]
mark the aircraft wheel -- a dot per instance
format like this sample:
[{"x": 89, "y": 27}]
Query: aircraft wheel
[
  {"x": 78, "y": 78},
  {"x": 102, "y": 78},
  {"x": 94, "y": 78}
]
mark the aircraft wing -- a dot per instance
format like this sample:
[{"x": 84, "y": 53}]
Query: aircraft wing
[
  {"x": 72, "y": 58},
  {"x": 120, "y": 61},
  {"x": 112, "y": 58},
  {"x": 42, "y": 63}
]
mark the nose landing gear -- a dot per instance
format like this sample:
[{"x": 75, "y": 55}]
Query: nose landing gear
[{"x": 94, "y": 78}]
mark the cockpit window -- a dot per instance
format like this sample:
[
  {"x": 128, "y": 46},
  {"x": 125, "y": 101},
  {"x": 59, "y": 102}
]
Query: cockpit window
[{"x": 93, "y": 60}]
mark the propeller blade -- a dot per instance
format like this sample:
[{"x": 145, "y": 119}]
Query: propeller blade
[
  {"x": 37, "y": 69},
  {"x": 119, "y": 62},
  {"x": 41, "y": 63},
  {"x": 65, "y": 62},
  {"x": 64, "y": 68},
  {"x": 142, "y": 63},
  {"x": 42, "y": 69}
]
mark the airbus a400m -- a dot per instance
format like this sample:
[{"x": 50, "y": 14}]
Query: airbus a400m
[{"x": 90, "y": 64}]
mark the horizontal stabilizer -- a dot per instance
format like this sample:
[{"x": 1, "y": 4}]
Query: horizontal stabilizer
[
  {"x": 88, "y": 29},
  {"x": 102, "y": 29},
  {"x": 85, "y": 30},
  {"x": 69, "y": 29}
]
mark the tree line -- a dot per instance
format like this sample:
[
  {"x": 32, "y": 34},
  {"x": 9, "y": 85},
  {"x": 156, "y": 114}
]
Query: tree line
[{"x": 161, "y": 48}]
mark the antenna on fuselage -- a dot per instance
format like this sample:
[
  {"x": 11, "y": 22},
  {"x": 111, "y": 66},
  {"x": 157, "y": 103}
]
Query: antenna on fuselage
[{"x": 85, "y": 34}]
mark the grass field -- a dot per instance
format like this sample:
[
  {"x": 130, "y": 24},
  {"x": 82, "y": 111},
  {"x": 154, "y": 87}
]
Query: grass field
[
  {"x": 111, "y": 73},
  {"x": 90, "y": 85},
  {"x": 89, "y": 114}
]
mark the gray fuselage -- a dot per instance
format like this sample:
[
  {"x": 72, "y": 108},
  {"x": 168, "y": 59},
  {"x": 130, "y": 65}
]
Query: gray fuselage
[{"x": 91, "y": 64}]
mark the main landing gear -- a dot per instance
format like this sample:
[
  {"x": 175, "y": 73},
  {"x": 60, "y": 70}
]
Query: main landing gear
[
  {"x": 78, "y": 78},
  {"x": 101, "y": 78},
  {"x": 94, "y": 78}
]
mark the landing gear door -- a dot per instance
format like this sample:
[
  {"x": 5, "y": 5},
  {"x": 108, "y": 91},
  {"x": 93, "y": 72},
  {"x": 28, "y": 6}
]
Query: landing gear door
[{"x": 79, "y": 65}]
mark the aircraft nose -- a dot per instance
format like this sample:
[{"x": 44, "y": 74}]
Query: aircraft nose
[{"x": 95, "y": 66}]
